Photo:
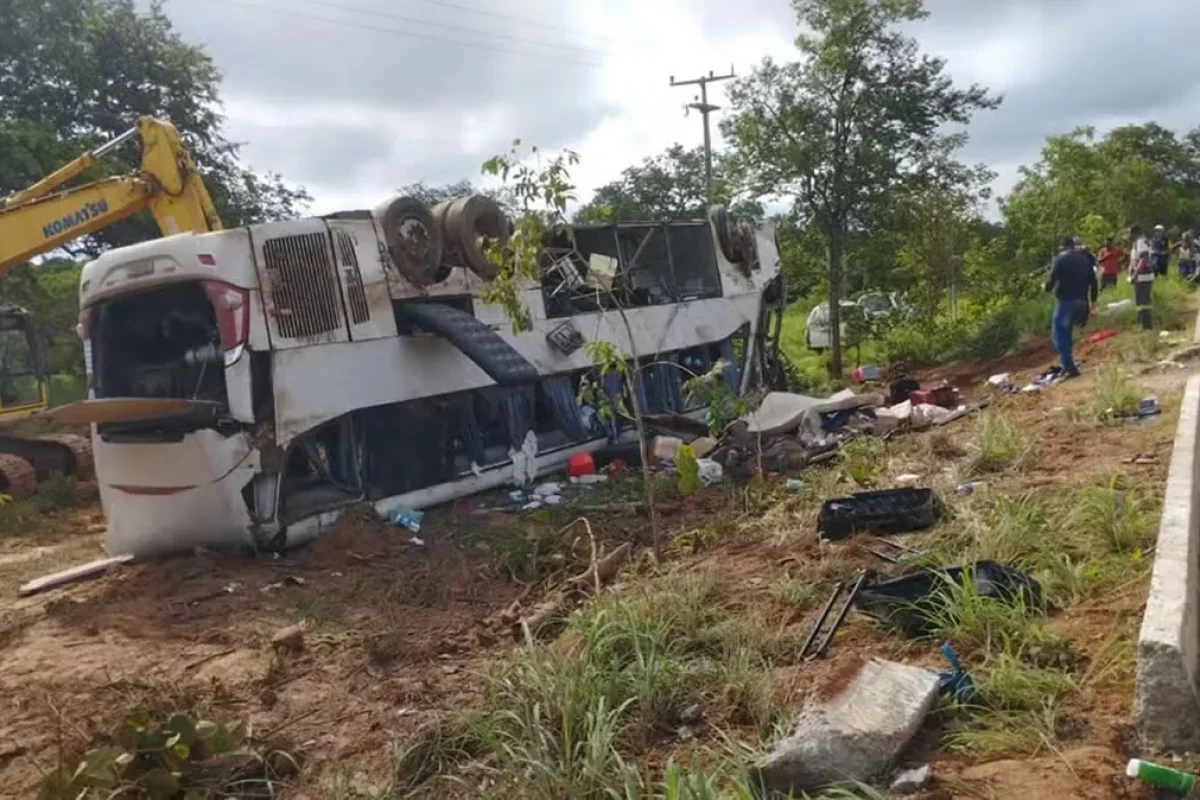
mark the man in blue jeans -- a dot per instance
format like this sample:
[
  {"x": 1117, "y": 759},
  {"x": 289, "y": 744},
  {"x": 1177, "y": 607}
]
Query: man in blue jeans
[{"x": 1073, "y": 281}]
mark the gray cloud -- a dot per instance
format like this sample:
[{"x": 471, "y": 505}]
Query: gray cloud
[
  {"x": 404, "y": 101},
  {"x": 1060, "y": 64},
  {"x": 346, "y": 104}
]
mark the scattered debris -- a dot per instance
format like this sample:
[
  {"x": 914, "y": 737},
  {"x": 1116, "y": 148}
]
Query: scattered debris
[
  {"x": 290, "y": 638},
  {"x": 1100, "y": 336},
  {"x": 970, "y": 487},
  {"x": 901, "y": 389},
  {"x": 1172, "y": 780},
  {"x": 1002, "y": 382},
  {"x": 92, "y": 569},
  {"x": 795, "y": 485},
  {"x": 665, "y": 448},
  {"x": 955, "y": 682},
  {"x": 409, "y": 518},
  {"x": 868, "y": 373},
  {"x": 580, "y": 464},
  {"x": 902, "y": 553},
  {"x": 906, "y": 601},
  {"x": 710, "y": 472},
  {"x": 855, "y": 737},
  {"x": 888, "y": 511},
  {"x": 911, "y": 781},
  {"x": 808, "y": 654}
]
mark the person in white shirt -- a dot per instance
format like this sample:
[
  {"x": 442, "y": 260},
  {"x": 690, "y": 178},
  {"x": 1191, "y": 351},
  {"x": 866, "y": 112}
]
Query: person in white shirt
[{"x": 1141, "y": 275}]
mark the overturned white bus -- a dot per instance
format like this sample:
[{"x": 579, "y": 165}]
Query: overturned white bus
[{"x": 247, "y": 384}]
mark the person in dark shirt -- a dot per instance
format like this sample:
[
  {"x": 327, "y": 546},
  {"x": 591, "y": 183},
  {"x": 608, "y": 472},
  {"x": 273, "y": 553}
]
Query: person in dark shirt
[
  {"x": 1160, "y": 251},
  {"x": 1073, "y": 281},
  {"x": 1081, "y": 247}
]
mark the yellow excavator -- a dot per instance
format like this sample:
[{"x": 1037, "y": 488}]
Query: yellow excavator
[{"x": 43, "y": 218}]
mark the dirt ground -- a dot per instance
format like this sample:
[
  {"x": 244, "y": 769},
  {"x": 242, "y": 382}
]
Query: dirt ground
[{"x": 396, "y": 632}]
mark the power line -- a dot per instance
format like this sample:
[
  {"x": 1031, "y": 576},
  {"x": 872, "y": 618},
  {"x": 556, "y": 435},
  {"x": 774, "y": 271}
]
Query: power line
[
  {"x": 460, "y": 28},
  {"x": 408, "y": 34},
  {"x": 510, "y": 17}
]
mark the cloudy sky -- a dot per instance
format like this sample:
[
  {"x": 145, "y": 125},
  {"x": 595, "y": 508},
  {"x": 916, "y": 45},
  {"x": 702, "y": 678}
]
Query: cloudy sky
[{"x": 353, "y": 98}]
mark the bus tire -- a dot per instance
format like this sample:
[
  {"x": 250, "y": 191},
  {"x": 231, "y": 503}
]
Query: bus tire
[
  {"x": 726, "y": 240},
  {"x": 412, "y": 239},
  {"x": 463, "y": 222}
]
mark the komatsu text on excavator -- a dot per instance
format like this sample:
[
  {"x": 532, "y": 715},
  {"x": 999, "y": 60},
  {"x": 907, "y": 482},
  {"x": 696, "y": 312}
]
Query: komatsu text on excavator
[{"x": 43, "y": 218}]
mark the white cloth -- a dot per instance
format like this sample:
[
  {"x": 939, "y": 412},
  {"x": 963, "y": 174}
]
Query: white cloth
[{"x": 1140, "y": 249}]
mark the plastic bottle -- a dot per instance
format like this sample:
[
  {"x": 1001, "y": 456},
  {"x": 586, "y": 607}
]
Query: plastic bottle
[{"x": 1160, "y": 776}]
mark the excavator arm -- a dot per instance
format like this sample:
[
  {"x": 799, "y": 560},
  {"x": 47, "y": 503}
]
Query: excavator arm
[
  {"x": 39, "y": 219},
  {"x": 43, "y": 218}
]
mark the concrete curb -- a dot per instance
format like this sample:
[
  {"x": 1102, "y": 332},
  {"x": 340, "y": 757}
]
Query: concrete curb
[
  {"x": 1167, "y": 703},
  {"x": 1196, "y": 332}
]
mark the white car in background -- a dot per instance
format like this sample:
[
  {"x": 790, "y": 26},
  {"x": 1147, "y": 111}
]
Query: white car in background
[{"x": 872, "y": 305}]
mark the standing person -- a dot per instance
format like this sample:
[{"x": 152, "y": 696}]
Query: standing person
[
  {"x": 1160, "y": 251},
  {"x": 1110, "y": 257},
  {"x": 1083, "y": 248},
  {"x": 1187, "y": 252},
  {"x": 1141, "y": 275},
  {"x": 1073, "y": 281}
]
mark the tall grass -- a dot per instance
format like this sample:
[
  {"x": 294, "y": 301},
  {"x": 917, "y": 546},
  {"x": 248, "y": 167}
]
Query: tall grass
[
  {"x": 1115, "y": 394},
  {"x": 1112, "y": 520},
  {"x": 976, "y": 623},
  {"x": 999, "y": 443},
  {"x": 1014, "y": 530},
  {"x": 561, "y": 719}
]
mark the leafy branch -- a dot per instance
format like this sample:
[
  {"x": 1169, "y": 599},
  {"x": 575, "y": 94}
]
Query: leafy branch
[{"x": 541, "y": 192}]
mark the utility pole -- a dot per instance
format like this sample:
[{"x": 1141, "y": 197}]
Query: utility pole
[{"x": 702, "y": 105}]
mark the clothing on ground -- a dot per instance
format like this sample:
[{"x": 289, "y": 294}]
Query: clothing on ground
[{"x": 1073, "y": 278}]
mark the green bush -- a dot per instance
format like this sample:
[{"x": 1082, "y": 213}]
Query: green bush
[
  {"x": 995, "y": 336},
  {"x": 918, "y": 344},
  {"x": 1033, "y": 315}
]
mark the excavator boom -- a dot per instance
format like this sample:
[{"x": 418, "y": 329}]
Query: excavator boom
[
  {"x": 39, "y": 220},
  {"x": 44, "y": 217}
]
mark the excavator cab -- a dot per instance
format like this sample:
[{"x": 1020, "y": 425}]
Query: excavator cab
[{"x": 24, "y": 382}]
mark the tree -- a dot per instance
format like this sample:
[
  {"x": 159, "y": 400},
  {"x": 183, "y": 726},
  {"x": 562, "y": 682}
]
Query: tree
[
  {"x": 76, "y": 73},
  {"x": 663, "y": 188},
  {"x": 1099, "y": 187},
  {"x": 838, "y": 132},
  {"x": 51, "y": 294},
  {"x": 934, "y": 216},
  {"x": 432, "y": 194},
  {"x": 668, "y": 187},
  {"x": 542, "y": 191}
]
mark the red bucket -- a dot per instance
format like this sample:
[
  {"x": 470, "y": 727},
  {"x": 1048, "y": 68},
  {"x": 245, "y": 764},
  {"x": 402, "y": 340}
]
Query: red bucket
[{"x": 580, "y": 464}]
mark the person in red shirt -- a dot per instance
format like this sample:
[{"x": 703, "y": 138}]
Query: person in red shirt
[{"x": 1109, "y": 258}]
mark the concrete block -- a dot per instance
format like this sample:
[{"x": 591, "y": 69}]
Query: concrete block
[
  {"x": 854, "y": 737},
  {"x": 1167, "y": 702}
]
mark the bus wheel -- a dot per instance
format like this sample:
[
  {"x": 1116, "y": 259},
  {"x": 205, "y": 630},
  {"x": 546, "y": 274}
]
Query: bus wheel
[
  {"x": 462, "y": 223},
  {"x": 412, "y": 239}
]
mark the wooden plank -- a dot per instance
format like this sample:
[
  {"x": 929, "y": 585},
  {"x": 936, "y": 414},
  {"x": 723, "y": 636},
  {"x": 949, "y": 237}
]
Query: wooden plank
[{"x": 91, "y": 569}]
